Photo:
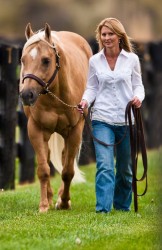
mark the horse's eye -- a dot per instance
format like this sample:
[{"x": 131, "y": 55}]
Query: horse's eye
[{"x": 45, "y": 61}]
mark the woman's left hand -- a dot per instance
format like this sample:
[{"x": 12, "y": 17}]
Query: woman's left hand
[{"x": 136, "y": 102}]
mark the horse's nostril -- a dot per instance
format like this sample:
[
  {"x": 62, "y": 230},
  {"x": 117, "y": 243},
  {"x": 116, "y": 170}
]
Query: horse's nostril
[
  {"x": 31, "y": 95},
  {"x": 28, "y": 97}
]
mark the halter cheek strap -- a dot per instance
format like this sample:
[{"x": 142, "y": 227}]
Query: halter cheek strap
[{"x": 40, "y": 81}]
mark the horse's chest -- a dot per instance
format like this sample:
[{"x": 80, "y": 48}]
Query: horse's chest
[{"x": 54, "y": 122}]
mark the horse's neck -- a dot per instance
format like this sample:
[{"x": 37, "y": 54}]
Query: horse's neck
[
  {"x": 64, "y": 87},
  {"x": 64, "y": 90}
]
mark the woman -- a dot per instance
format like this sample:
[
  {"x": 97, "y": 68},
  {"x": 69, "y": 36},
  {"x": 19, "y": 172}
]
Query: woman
[{"x": 114, "y": 79}]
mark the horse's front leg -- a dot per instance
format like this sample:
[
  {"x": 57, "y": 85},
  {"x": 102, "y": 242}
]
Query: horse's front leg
[
  {"x": 39, "y": 140},
  {"x": 72, "y": 144},
  {"x": 46, "y": 193},
  {"x": 63, "y": 201}
]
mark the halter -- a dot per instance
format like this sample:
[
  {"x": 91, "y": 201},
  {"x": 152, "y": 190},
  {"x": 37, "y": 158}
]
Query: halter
[{"x": 40, "y": 81}]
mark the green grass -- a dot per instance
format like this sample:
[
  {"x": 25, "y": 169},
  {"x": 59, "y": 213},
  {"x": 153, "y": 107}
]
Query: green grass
[{"x": 23, "y": 227}]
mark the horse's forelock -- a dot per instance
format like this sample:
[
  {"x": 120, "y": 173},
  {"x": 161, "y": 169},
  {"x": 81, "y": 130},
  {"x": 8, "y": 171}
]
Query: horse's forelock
[{"x": 33, "y": 39}]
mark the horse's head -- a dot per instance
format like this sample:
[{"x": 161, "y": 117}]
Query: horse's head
[{"x": 39, "y": 64}]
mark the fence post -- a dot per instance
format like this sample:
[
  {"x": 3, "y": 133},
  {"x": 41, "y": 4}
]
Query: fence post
[
  {"x": 26, "y": 153},
  {"x": 8, "y": 115}
]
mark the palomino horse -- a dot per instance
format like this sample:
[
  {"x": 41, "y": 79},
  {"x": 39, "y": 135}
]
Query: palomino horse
[{"x": 52, "y": 80}]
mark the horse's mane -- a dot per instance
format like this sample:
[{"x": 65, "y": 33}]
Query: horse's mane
[{"x": 40, "y": 36}]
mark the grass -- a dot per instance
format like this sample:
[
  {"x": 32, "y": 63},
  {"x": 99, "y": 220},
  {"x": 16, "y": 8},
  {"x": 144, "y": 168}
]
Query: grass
[{"x": 22, "y": 227}]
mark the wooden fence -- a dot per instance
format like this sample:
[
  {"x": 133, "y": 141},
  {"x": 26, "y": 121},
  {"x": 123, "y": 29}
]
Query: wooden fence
[{"x": 11, "y": 117}]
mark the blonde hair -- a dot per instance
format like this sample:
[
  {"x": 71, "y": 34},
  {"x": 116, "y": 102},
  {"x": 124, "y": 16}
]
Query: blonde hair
[{"x": 116, "y": 26}]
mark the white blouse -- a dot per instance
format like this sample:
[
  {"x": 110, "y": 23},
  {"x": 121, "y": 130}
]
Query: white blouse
[{"x": 112, "y": 90}]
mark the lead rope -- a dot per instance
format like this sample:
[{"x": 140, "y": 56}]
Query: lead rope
[
  {"x": 64, "y": 103},
  {"x": 137, "y": 141}
]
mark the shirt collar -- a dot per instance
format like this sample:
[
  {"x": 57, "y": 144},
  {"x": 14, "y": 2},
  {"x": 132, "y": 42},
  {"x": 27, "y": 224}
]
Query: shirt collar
[{"x": 123, "y": 52}]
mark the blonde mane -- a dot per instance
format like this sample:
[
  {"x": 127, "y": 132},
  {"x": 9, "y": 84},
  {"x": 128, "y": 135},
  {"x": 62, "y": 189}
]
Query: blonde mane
[{"x": 40, "y": 36}]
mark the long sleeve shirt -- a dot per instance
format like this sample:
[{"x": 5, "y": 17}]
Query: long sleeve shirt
[{"x": 112, "y": 90}]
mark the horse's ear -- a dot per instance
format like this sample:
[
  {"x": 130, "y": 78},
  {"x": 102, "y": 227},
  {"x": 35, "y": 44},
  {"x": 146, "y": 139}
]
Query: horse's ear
[
  {"x": 28, "y": 31},
  {"x": 48, "y": 32}
]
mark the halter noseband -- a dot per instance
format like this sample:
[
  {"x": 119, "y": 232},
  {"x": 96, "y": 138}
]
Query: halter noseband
[{"x": 40, "y": 81}]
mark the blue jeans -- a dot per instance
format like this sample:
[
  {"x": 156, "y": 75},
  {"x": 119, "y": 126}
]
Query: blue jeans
[{"x": 113, "y": 181}]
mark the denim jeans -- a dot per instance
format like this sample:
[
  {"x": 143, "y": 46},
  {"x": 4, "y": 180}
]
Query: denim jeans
[{"x": 113, "y": 178}]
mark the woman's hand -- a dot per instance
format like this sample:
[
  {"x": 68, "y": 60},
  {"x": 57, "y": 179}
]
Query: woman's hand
[
  {"x": 82, "y": 105},
  {"x": 136, "y": 102}
]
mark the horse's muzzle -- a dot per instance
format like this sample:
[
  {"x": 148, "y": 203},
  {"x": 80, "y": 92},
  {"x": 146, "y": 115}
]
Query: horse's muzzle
[{"x": 28, "y": 97}]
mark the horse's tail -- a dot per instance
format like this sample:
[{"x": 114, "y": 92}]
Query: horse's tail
[{"x": 56, "y": 145}]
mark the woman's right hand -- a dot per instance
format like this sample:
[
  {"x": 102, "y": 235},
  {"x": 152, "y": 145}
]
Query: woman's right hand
[{"x": 82, "y": 105}]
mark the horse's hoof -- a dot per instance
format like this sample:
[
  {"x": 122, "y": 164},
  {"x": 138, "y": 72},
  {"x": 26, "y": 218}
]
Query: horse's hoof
[
  {"x": 43, "y": 210},
  {"x": 59, "y": 205}
]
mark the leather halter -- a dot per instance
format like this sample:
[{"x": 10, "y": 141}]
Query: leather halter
[{"x": 39, "y": 80}]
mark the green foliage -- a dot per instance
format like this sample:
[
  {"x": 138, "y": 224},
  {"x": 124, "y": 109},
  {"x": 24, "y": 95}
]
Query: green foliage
[{"x": 22, "y": 227}]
